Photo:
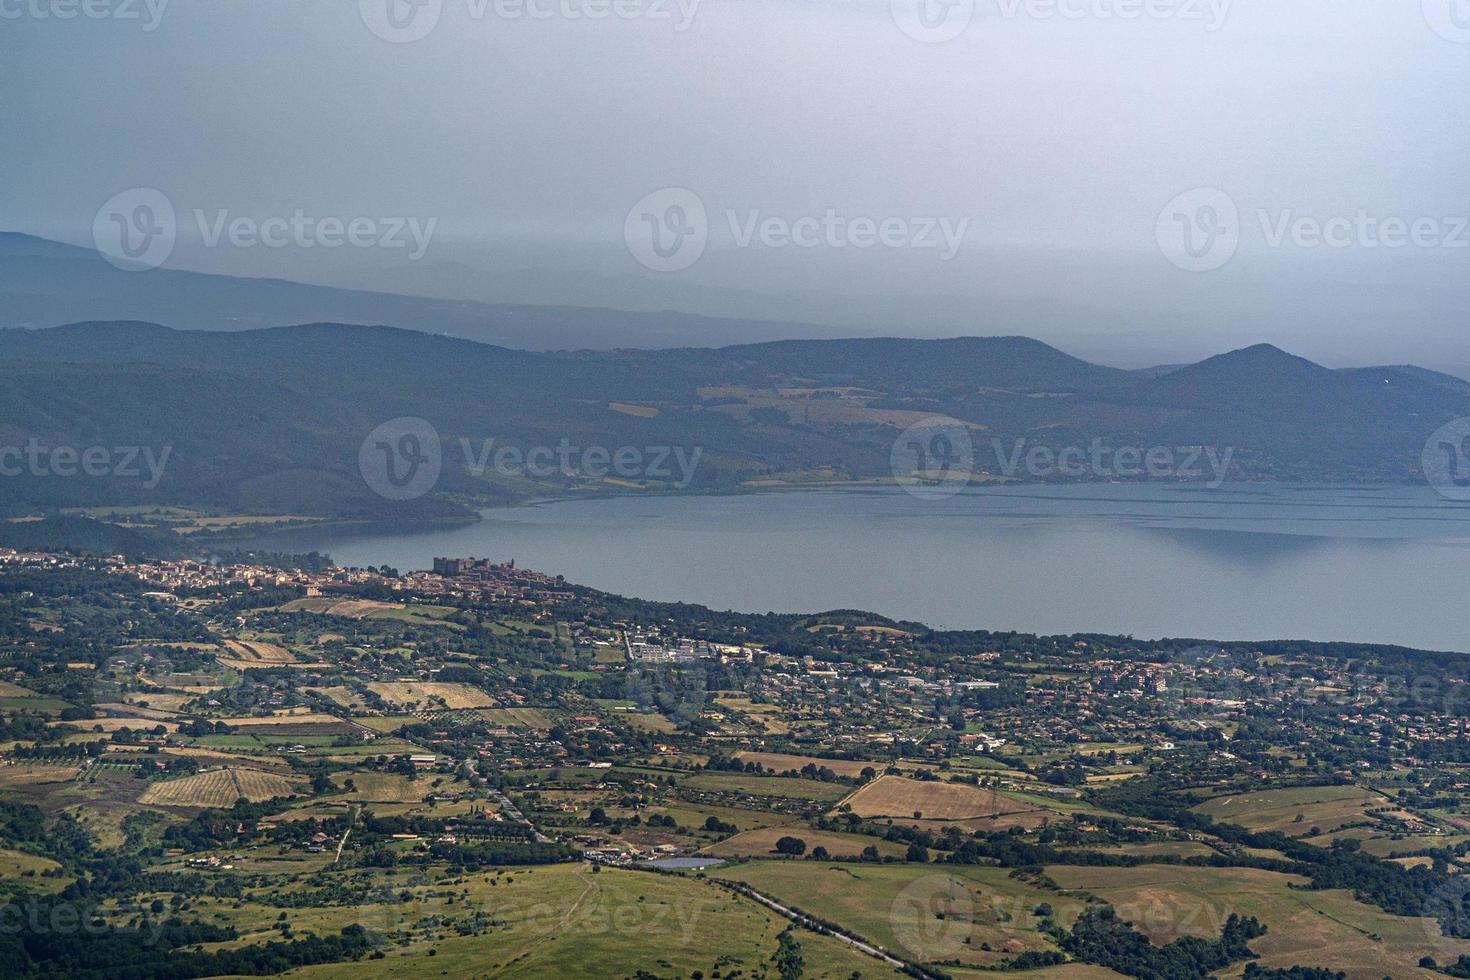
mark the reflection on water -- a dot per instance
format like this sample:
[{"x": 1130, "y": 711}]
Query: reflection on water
[{"x": 1259, "y": 562}]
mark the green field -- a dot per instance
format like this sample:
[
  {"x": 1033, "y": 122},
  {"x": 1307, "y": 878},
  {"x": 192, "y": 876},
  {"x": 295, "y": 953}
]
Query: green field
[
  {"x": 27, "y": 868},
  {"x": 1308, "y": 928},
  {"x": 416, "y": 615},
  {"x": 384, "y": 723},
  {"x": 262, "y": 741},
  {"x": 554, "y": 922},
  {"x": 1294, "y": 810},
  {"x": 36, "y": 704},
  {"x": 735, "y": 782},
  {"x": 762, "y": 843},
  {"x": 654, "y": 723},
  {"x": 928, "y": 913},
  {"x": 695, "y": 815},
  {"x": 518, "y": 718},
  {"x": 388, "y": 787}
]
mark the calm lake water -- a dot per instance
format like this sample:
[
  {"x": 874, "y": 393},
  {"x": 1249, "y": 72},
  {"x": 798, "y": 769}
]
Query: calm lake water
[
  {"x": 683, "y": 864},
  {"x": 1388, "y": 565}
]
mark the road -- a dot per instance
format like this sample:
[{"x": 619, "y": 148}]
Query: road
[
  {"x": 505, "y": 804},
  {"x": 566, "y": 920},
  {"x": 815, "y": 926},
  {"x": 347, "y": 833},
  {"x": 510, "y": 809}
]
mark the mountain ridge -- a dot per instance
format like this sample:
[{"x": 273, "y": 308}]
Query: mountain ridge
[{"x": 272, "y": 421}]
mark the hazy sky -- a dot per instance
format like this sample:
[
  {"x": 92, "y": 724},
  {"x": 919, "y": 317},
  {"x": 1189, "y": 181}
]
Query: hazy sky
[{"x": 1045, "y": 138}]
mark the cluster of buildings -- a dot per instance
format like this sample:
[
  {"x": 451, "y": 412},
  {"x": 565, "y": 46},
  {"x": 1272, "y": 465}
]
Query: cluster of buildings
[
  {"x": 649, "y": 648},
  {"x": 474, "y": 578},
  {"x": 480, "y": 578}
]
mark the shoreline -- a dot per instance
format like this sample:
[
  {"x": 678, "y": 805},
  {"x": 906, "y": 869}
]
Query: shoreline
[{"x": 1236, "y": 542}]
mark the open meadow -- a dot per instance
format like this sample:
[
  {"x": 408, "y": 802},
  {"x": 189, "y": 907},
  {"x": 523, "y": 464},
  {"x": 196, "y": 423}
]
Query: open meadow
[
  {"x": 974, "y": 915},
  {"x": 1318, "y": 928},
  {"x": 430, "y": 694},
  {"x": 1296, "y": 810},
  {"x": 550, "y": 922}
]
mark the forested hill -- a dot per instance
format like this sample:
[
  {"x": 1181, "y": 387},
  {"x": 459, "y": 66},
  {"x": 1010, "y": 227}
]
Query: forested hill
[{"x": 272, "y": 421}]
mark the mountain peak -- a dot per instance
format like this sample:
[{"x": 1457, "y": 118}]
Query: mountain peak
[
  {"x": 1258, "y": 359},
  {"x": 1262, "y": 350}
]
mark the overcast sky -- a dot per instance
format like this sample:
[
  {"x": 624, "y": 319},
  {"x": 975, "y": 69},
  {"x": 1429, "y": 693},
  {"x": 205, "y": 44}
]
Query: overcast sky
[{"x": 1038, "y": 149}]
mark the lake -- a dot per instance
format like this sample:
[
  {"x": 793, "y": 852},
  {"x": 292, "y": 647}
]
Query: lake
[
  {"x": 683, "y": 864},
  {"x": 1386, "y": 565}
]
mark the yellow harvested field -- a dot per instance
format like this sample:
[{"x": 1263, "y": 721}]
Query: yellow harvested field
[
  {"x": 368, "y": 609},
  {"x": 343, "y": 695},
  {"x": 518, "y": 717},
  {"x": 767, "y": 715},
  {"x": 159, "y": 701},
  {"x": 113, "y": 724},
  {"x": 431, "y": 694},
  {"x": 1073, "y": 971},
  {"x": 259, "y": 653},
  {"x": 219, "y": 788},
  {"x": 355, "y": 608},
  {"x": 15, "y": 864},
  {"x": 21, "y": 774},
  {"x": 384, "y": 724},
  {"x": 136, "y": 708},
  {"x": 386, "y": 787},
  {"x": 305, "y": 718},
  {"x": 899, "y": 796},
  {"x": 217, "y": 757}
]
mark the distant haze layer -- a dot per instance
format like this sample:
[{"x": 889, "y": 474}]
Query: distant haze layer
[{"x": 997, "y": 166}]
